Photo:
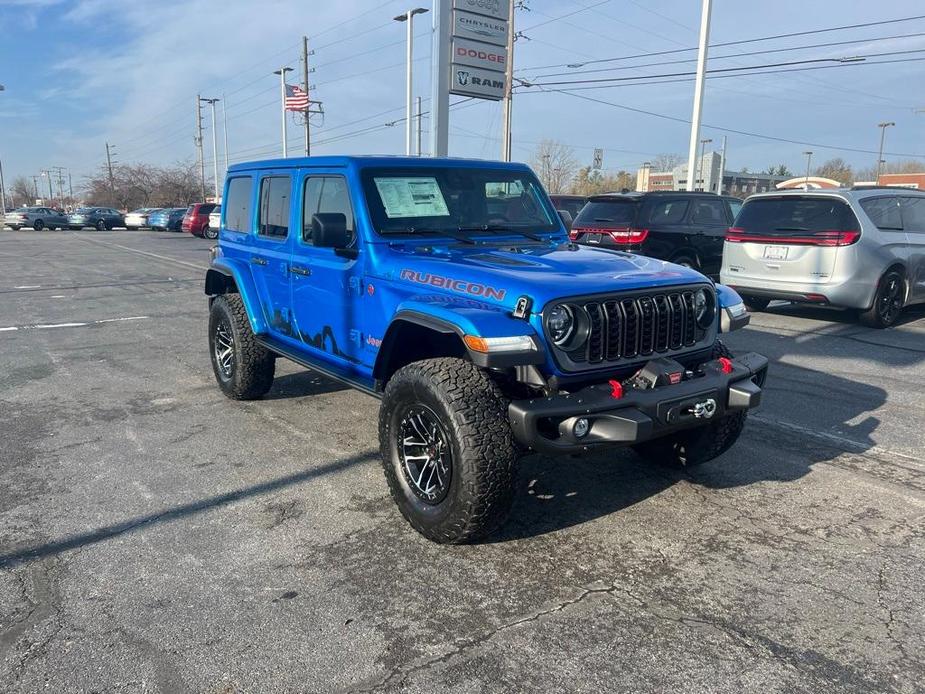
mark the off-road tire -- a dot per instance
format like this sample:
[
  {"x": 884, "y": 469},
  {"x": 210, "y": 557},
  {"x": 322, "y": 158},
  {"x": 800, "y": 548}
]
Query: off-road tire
[
  {"x": 876, "y": 316},
  {"x": 755, "y": 304},
  {"x": 472, "y": 412},
  {"x": 251, "y": 374},
  {"x": 697, "y": 446}
]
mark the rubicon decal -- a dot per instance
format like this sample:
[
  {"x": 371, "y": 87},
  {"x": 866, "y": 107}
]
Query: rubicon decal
[{"x": 455, "y": 285}]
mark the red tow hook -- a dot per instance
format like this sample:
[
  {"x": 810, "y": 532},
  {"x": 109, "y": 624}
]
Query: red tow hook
[
  {"x": 616, "y": 389},
  {"x": 725, "y": 364}
]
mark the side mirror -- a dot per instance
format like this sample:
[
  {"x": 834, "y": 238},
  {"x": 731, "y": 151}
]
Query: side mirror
[
  {"x": 329, "y": 230},
  {"x": 566, "y": 218}
]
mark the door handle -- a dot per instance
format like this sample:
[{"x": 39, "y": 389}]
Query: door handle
[
  {"x": 303, "y": 271},
  {"x": 257, "y": 260}
]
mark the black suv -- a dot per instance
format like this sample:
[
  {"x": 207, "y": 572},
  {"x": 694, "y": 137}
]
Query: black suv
[{"x": 685, "y": 228}]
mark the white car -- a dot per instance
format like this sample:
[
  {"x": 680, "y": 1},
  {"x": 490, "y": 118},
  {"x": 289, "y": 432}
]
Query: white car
[
  {"x": 215, "y": 221},
  {"x": 139, "y": 218}
]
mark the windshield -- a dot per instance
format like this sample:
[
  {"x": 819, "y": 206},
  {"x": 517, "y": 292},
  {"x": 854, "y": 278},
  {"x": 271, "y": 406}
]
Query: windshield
[
  {"x": 453, "y": 200},
  {"x": 791, "y": 216},
  {"x": 607, "y": 214}
]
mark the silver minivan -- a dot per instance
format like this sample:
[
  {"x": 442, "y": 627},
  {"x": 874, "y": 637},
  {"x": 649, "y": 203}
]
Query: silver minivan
[{"x": 858, "y": 248}]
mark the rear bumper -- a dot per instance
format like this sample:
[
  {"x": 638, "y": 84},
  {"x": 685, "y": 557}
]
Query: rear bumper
[
  {"x": 853, "y": 293},
  {"x": 547, "y": 424}
]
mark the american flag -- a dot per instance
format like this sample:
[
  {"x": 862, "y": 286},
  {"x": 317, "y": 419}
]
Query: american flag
[{"x": 296, "y": 98}]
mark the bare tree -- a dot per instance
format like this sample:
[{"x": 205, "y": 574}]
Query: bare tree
[
  {"x": 141, "y": 185},
  {"x": 555, "y": 164},
  {"x": 589, "y": 181},
  {"x": 837, "y": 169},
  {"x": 22, "y": 192},
  {"x": 667, "y": 162}
]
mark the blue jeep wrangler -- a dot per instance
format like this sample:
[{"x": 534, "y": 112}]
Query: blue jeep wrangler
[{"x": 449, "y": 289}]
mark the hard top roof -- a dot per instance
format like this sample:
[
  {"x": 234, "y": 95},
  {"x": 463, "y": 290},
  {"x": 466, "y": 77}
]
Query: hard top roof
[{"x": 373, "y": 161}]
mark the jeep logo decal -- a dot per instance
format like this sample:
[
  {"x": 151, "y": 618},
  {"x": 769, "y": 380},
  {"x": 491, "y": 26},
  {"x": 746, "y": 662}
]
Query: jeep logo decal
[{"x": 460, "y": 286}]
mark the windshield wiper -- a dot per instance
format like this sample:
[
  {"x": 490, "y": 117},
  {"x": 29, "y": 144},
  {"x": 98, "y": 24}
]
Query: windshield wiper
[
  {"x": 436, "y": 232},
  {"x": 502, "y": 228},
  {"x": 790, "y": 229}
]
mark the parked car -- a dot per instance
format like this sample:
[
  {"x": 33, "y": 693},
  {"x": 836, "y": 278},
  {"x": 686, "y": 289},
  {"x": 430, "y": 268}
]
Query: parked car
[
  {"x": 138, "y": 219},
  {"x": 36, "y": 217},
  {"x": 167, "y": 219},
  {"x": 569, "y": 203},
  {"x": 100, "y": 218},
  {"x": 215, "y": 221},
  {"x": 196, "y": 221},
  {"x": 860, "y": 248},
  {"x": 483, "y": 336},
  {"x": 686, "y": 228}
]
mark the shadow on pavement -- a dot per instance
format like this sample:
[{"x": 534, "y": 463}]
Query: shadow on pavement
[{"x": 29, "y": 553}]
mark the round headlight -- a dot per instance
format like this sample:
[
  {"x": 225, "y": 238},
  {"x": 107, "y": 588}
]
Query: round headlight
[
  {"x": 704, "y": 310},
  {"x": 561, "y": 324}
]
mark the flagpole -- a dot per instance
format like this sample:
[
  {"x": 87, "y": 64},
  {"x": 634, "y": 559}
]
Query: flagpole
[{"x": 282, "y": 96}]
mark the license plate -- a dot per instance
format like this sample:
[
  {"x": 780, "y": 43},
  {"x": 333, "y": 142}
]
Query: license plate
[
  {"x": 776, "y": 252},
  {"x": 594, "y": 238}
]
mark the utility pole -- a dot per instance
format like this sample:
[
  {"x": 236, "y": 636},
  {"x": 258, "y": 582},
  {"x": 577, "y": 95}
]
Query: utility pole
[
  {"x": 35, "y": 185},
  {"x": 809, "y": 158},
  {"x": 112, "y": 180},
  {"x": 211, "y": 103},
  {"x": 703, "y": 180},
  {"x": 698, "y": 90},
  {"x": 508, "y": 86},
  {"x": 282, "y": 103},
  {"x": 440, "y": 79},
  {"x": 47, "y": 174},
  {"x": 198, "y": 140},
  {"x": 883, "y": 126},
  {"x": 408, "y": 18},
  {"x": 420, "y": 120},
  {"x": 225, "y": 134},
  {"x": 70, "y": 187},
  {"x": 2, "y": 191},
  {"x": 306, "y": 87},
  {"x": 722, "y": 167}
]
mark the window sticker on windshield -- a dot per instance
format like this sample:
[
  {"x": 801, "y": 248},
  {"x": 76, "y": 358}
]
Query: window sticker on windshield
[{"x": 411, "y": 197}]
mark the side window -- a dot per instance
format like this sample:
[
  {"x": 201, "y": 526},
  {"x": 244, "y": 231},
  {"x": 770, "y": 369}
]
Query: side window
[
  {"x": 668, "y": 212},
  {"x": 708, "y": 212},
  {"x": 884, "y": 213},
  {"x": 913, "y": 210},
  {"x": 274, "y": 207},
  {"x": 238, "y": 212},
  {"x": 326, "y": 194},
  {"x": 735, "y": 206}
]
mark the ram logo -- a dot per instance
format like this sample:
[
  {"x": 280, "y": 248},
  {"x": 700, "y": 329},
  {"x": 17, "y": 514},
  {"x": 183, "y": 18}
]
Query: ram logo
[{"x": 462, "y": 76}]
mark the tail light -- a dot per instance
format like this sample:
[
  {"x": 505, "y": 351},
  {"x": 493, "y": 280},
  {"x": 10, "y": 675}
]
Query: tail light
[
  {"x": 625, "y": 236},
  {"x": 828, "y": 238}
]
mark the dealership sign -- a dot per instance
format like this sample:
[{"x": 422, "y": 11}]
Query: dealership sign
[{"x": 479, "y": 48}]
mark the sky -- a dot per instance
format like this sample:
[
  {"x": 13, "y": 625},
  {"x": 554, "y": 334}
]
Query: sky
[{"x": 81, "y": 73}]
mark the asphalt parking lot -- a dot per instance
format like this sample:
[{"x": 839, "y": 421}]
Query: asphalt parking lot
[{"x": 156, "y": 537}]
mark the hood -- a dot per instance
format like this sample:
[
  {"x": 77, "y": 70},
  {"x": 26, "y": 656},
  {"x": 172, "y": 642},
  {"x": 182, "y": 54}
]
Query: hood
[{"x": 499, "y": 273}]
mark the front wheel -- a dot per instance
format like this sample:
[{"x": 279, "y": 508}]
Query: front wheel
[
  {"x": 243, "y": 368},
  {"x": 888, "y": 302},
  {"x": 101, "y": 225},
  {"x": 447, "y": 449},
  {"x": 38, "y": 225}
]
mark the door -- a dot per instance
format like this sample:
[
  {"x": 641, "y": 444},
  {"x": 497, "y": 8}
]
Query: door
[
  {"x": 270, "y": 249},
  {"x": 668, "y": 236},
  {"x": 709, "y": 223},
  {"x": 913, "y": 212},
  {"x": 327, "y": 287}
]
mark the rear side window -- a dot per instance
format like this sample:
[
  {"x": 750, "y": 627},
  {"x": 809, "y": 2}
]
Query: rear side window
[
  {"x": 274, "y": 207},
  {"x": 884, "y": 213},
  {"x": 793, "y": 216},
  {"x": 914, "y": 214},
  {"x": 734, "y": 207},
  {"x": 668, "y": 212},
  {"x": 606, "y": 214},
  {"x": 712, "y": 212},
  {"x": 238, "y": 211}
]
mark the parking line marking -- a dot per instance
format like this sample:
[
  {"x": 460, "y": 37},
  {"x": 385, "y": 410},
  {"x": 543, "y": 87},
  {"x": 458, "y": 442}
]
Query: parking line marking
[
  {"x": 165, "y": 258},
  {"x": 28, "y": 286},
  {"x": 47, "y": 326}
]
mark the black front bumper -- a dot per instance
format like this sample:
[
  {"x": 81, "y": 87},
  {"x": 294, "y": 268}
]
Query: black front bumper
[{"x": 547, "y": 424}]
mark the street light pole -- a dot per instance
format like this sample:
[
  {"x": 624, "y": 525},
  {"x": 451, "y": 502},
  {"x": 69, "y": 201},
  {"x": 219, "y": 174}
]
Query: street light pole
[
  {"x": 2, "y": 188},
  {"x": 225, "y": 134},
  {"x": 705, "y": 11},
  {"x": 282, "y": 102},
  {"x": 883, "y": 126},
  {"x": 408, "y": 17},
  {"x": 211, "y": 103},
  {"x": 809, "y": 159},
  {"x": 703, "y": 144},
  {"x": 508, "y": 85}
]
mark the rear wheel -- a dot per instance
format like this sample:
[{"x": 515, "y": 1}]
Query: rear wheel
[
  {"x": 244, "y": 369},
  {"x": 447, "y": 449},
  {"x": 888, "y": 302},
  {"x": 101, "y": 225},
  {"x": 209, "y": 232},
  {"x": 38, "y": 225},
  {"x": 686, "y": 261},
  {"x": 755, "y": 303}
]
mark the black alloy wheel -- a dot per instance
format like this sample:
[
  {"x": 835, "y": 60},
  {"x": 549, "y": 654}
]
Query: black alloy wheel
[
  {"x": 426, "y": 454},
  {"x": 38, "y": 225},
  {"x": 101, "y": 225},
  {"x": 223, "y": 349},
  {"x": 888, "y": 302}
]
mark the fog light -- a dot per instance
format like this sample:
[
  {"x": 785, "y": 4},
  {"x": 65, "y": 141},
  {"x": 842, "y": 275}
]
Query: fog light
[{"x": 581, "y": 428}]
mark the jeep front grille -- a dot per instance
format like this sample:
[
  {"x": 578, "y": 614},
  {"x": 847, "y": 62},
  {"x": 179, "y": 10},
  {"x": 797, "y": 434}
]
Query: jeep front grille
[{"x": 638, "y": 326}]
